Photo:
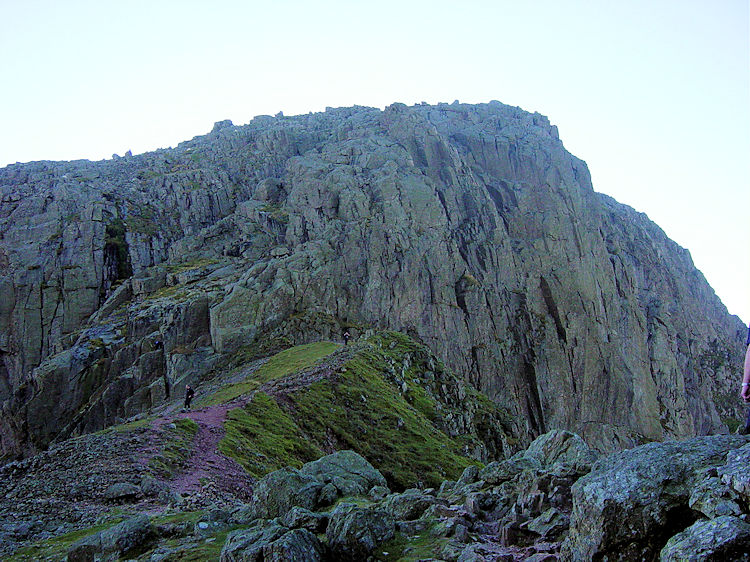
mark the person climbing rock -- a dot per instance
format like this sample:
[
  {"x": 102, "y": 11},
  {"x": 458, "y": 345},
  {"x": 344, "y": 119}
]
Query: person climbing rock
[
  {"x": 189, "y": 393},
  {"x": 745, "y": 389},
  {"x": 347, "y": 337}
]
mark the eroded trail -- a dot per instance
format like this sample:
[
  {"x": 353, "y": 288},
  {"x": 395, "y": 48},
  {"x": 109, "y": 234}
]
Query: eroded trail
[{"x": 205, "y": 463}]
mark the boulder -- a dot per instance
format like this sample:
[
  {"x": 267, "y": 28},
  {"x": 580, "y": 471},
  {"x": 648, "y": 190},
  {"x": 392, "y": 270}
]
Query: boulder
[
  {"x": 469, "y": 475},
  {"x": 243, "y": 514},
  {"x": 354, "y": 532},
  {"x": 498, "y": 472},
  {"x": 735, "y": 472},
  {"x": 560, "y": 447},
  {"x": 408, "y": 506},
  {"x": 247, "y": 544},
  {"x": 347, "y": 470},
  {"x": 279, "y": 491},
  {"x": 723, "y": 538},
  {"x": 713, "y": 498},
  {"x": 122, "y": 492},
  {"x": 268, "y": 541},
  {"x": 550, "y": 524},
  {"x": 301, "y": 518},
  {"x": 150, "y": 486},
  {"x": 297, "y": 544},
  {"x": 128, "y": 537},
  {"x": 85, "y": 549},
  {"x": 378, "y": 493},
  {"x": 632, "y": 502}
]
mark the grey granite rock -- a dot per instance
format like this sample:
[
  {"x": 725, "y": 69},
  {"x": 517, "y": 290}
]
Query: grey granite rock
[
  {"x": 723, "y": 538},
  {"x": 354, "y": 532},
  {"x": 632, "y": 502},
  {"x": 281, "y": 490}
]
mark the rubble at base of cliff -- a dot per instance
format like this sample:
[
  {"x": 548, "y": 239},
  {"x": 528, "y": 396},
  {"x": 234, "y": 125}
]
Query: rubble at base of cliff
[{"x": 557, "y": 500}]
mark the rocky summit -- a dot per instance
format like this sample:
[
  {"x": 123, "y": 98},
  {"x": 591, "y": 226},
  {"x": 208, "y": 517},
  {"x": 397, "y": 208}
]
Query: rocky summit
[{"x": 531, "y": 369}]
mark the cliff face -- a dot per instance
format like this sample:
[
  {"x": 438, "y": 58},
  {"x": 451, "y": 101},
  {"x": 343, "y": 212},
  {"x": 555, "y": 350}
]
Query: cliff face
[{"x": 468, "y": 227}]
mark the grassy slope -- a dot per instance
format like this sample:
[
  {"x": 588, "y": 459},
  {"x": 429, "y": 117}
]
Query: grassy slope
[
  {"x": 263, "y": 438},
  {"x": 359, "y": 408},
  {"x": 280, "y": 365}
]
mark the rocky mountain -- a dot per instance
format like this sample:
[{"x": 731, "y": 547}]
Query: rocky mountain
[{"x": 467, "y": 227}]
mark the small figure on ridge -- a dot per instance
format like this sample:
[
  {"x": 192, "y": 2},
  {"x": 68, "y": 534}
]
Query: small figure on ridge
[
  {"x": 189, "y": 393},
  {"x": 347, "y": 336}
]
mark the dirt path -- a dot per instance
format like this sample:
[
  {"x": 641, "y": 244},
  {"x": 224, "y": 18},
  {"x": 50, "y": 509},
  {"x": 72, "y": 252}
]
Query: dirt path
[{"x": 205, "y": 462}]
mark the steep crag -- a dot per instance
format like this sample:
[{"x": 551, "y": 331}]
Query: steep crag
[{"x": 468, "y": 227}]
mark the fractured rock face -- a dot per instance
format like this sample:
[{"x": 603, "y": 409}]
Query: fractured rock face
[
  {"x": 469, "y": 227},
  {"x": 632, "y": 502}
]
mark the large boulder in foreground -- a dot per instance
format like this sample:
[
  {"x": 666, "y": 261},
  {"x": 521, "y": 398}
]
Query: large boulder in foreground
[
  {"x": 348, "y": 471},
  {"x": 281, "y": 490},
  {"x": 321, "y": 482},
  {"x": 723, "y": 538},
  {"x": 632, "y": 502}
]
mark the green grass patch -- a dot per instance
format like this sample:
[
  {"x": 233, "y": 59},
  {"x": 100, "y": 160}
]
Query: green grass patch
[
  {"x": 262, "y": 347},
  {"x": 56, "y": 548},
  {"x": 130, "y": 426},
  {"x": 732, "y": 424},
  {"x": 192, "y": 264},
  {"x": 179, "y": 292},
  {"x": 403, "y": 548},
  {"x": 275, "y": 212},
  {"x": 208, "y": 549},
  {"x": 388, "y": 402},
  {"x": 280, "y": 365},
  {"x": 178, "y": 517},
  {"x": 263, "y": 438},
  {"x": 176, "y": 449}
]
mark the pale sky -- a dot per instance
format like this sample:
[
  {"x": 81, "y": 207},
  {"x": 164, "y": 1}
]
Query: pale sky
[{"x": 653, "y": 94}]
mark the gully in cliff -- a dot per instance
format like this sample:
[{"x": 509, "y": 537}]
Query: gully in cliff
[{"x": 745, "y": 392}]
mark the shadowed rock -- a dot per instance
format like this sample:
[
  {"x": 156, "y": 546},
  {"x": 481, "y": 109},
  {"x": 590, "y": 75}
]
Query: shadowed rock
[{"x": 632, "y": 502}]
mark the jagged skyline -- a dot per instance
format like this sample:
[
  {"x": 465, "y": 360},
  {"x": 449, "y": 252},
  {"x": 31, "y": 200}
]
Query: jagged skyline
[{"x": 652, "y": 97}]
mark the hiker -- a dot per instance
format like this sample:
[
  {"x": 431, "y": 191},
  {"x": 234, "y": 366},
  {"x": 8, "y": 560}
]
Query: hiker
[
  {"x": 346, "y": 337},
  {"x": 189, "y": 393},
  {"x": 745, "y": 390}
]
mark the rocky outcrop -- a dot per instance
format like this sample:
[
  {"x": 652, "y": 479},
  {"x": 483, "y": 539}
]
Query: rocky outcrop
[
  {"x": 660, "y": 497},
  {"x": 549, "y": 502},
  {"x": 468, "y": 227},
  {"x": 317, "y": 483},
  {"x": 132, "y": 536},
  {"x": 723, "y": 538}
]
